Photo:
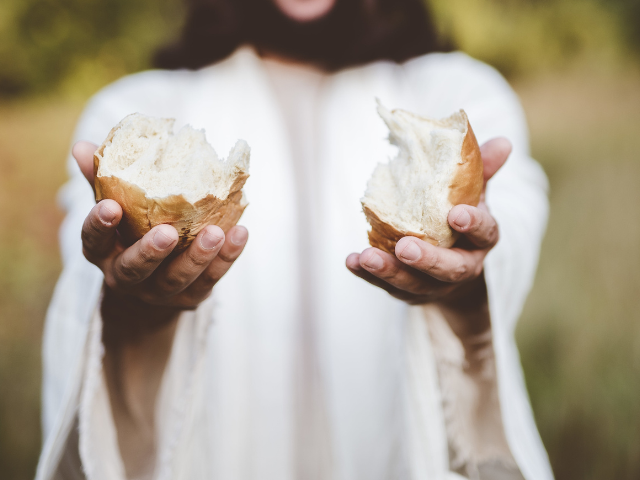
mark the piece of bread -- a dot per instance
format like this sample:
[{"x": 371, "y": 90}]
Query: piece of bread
[
  {"x": 438, "y": 166},
  {"x": 158, "y": 177}
]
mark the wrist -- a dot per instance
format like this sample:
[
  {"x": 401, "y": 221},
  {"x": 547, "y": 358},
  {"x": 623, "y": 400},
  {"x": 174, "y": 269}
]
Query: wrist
[
  {"x": 127, "y": 318},
  {"x": 467, "y": 312}
]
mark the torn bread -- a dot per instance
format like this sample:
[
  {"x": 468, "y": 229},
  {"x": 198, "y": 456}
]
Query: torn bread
[
  {"x": 437, "y": 167},
  {"x": 160, "y": 177}
]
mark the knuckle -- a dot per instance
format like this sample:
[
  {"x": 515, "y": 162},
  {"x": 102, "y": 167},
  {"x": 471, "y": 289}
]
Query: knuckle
[
  {"x": 170, "y": 284},
  {"x": 388, "y": 271},
  {"x": 146, "y": 256},
  {"x": 431, "y": 262},
  {"x": 89, "y": 234},
  {"x": 227, "y": 257},
  {"x": 128, "y": 272},
  {"x": 93, "y": 225},
  {"x": 477, "y": 221},
  {"x": 209, "y": 277},
  {"x": 459, "y": 273},
  {"x": 198, "y": 260}
]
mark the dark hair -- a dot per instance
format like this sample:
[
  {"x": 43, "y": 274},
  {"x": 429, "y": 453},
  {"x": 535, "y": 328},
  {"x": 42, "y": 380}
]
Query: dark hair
[{"x": 354, "y": 32}]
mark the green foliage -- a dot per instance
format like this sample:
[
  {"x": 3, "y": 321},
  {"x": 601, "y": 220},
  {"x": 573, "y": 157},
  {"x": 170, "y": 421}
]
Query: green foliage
[
  {"x": 34, "y": 143},
  {"x": 579, "y": 335},
  {"x": 629, "y": 11},
  {"x": 81, "y": 43},
  {"x": 520, "y": 36}
]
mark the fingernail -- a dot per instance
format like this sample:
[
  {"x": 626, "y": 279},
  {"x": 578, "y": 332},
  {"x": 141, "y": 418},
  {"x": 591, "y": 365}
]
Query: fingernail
[
  {"x": 106, "y": 215},
  {"x": 463, "y": 219},
  {"x": 162, "y": 241},
  {"x": 411, "y": 252},
  {"x": 209, "y": 241},
  {"x": 238, "y": 236},
  {"x": 374, "y": 262}
]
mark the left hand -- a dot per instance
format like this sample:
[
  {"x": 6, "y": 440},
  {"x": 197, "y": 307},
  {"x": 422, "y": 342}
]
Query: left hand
[{"x": 422, "y": 273}]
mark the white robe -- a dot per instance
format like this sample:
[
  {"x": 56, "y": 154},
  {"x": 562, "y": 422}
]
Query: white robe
[{"x": 227, "y": 402}]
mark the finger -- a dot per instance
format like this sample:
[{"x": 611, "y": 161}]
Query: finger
[
  {"x": 444, "y": 264},
  {"x": 354, "y": 266},
  {"x": 388, "y": 268},
  {"x": 99, "y": 230},
  {"x": 235, "y": 241},
  {"x": 476, "y": 224},
  {"x": 83, "y": 153},
  {"x": 185, "y": 269},
  {"x": 494, "y": 155},
  {"x": 141, "y": 259}
]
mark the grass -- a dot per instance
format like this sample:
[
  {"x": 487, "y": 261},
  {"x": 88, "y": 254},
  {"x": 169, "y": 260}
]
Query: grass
[
  {"x": 580, "y": 332},
  {"x": 34, "y": 140}
]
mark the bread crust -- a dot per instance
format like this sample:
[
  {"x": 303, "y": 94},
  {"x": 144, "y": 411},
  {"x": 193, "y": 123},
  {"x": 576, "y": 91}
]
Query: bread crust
[
  {"x": 468, "y": 179},
  {"x": 141, "y": 213},
  {"x": 465, "y": 188},
  {"x": 384, "y": 235}
]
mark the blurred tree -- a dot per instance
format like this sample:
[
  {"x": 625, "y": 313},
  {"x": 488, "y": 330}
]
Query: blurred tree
[
  {"x": 44, "y": 42},
  {"x": 629, "y": 11},
  {"x": 83, "y": 44},
  {"x": 523, "y": 36}
]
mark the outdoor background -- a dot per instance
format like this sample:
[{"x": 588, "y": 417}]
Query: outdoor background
[{"x": 575, "y": 65}]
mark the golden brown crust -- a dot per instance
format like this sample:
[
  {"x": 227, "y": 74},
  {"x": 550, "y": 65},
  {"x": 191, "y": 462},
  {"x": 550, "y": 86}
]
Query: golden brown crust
[
  {"x": 465, "y": 188},
  {"x": 384, "y": 236},
  {"x": 466, "y": 185},
  {"x": 141, "y": 214}
]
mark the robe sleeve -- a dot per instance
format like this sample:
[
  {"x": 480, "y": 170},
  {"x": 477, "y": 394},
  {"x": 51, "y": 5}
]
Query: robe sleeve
[
  {"x": 74, "y": 300},
  {"x": 517, "y": 198},
  {"x": 80, "y": 437}
]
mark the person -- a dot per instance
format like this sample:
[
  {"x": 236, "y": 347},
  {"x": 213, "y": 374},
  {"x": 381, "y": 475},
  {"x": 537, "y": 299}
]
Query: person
[{"x": 267, "y": 358}]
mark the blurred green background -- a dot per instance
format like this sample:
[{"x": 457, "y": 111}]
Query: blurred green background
[{"x": 575, "y": 65}]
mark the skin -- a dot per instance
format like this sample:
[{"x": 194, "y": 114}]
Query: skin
[{"x": 305, "y": 10}]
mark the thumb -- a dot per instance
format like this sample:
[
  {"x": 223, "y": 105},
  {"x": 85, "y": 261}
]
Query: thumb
[
  {"x": 83, "y": 153},
  {"x": 494, "y": 155}
]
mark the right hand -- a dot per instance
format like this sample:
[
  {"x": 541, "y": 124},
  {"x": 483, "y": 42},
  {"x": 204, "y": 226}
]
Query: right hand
[{"x": 138, "y": 273}]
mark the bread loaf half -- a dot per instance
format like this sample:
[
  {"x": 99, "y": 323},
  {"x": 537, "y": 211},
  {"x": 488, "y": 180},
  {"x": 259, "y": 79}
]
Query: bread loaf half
[
  {"x": 160, "y": 177},
  {"x": 438, "y": 166}
]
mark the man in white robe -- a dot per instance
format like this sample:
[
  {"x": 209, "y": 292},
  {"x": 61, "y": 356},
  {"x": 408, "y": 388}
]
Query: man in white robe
[{"x": 295, "y": 368}]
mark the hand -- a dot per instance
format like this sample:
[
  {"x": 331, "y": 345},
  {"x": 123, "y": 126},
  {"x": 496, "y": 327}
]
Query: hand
[
  {"x": 421, "y": 273},
  {"x": 138, "y": 275}
]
